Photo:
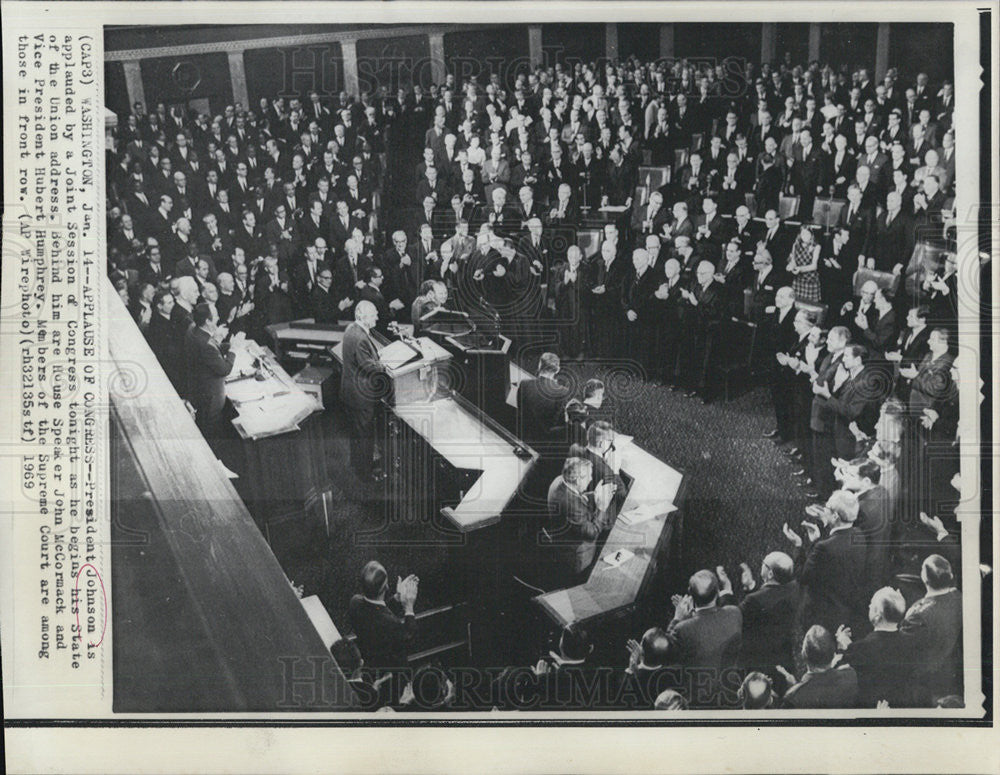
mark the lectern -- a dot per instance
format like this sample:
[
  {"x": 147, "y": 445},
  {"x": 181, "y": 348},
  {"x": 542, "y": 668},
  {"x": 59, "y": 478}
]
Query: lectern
[{"x": 485, "y": 364}]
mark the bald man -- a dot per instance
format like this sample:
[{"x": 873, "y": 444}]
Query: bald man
[
  {"x": 359, "y": 387},
  {"x": 706, "y": 639},
  {"x": 639, "y": 310},
  {"x": 769, "y": 609}
]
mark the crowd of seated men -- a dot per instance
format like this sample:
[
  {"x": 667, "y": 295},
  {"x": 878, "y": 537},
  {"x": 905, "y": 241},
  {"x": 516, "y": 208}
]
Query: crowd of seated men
[{"x": 790, "y": 212}]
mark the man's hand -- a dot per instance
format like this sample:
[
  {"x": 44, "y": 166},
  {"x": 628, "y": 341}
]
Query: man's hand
[
  {"x": 746, "y": 577},
  {"x": 541, "y": 667},
  {"x": 791, "y": 679},
  {"x": 631, "y": 315},
  {"x": 684, "y": 608},
  {"x": 895, "y": 356},
  {"x": 478, "y": 275},
  {"x": 662, "y": 292},
  {"x": 843, "y": 636},
  {"x": 238, "y": 340},
  {"x": 910, "y": 372},
  {"x": 344, "y": 303},
  {"x": 603, "y": 494},
  {"x": 221, "y": 332},
  {"x": 396, "y": 305},
  {"x": 897, "y": 269},
  {"x": 406, "y": 696},
  {"x": 848, "y": 306},
  {"x": 859, "y": 434},
  {"x": 861, "y": 321},
  {"x": 725, "y": 585},
  {"x": 928, "y": 417},
  {"x": 598, "y": 289},
  {"x": 935, "y": 525},
  {"x": 634, "y": 649},
  {"x": 791, "y": 535},
  {"x": 812, "y": 531},
  {"x": 870, "y": 263}
]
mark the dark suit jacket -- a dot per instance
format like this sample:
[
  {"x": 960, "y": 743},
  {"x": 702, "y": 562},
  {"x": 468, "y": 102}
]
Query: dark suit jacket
[
  {"x": 768, "y": 625},
  {"x": 573, "y": 528},
  {"x": 834, "y": 688},
  {"x": 540, "y": 404},
  {"x": 709, "y": 638},
  {"x": 361, "y": 364},
  {"x": 383, "y": 633},
  {"x": 892, "y": 244},
  {"x": 933, "y": 628},
  {"x": 165, "y": 346},
  {"x": 933, "y": 382},
  {"x": 883, "y": 661},
  {"x": 833, "y": 581},
  {"x": 207, "y": 369}
]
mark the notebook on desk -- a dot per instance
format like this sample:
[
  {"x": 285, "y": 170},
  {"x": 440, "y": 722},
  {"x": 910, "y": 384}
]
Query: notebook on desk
[{"x": 396, "y": 354}]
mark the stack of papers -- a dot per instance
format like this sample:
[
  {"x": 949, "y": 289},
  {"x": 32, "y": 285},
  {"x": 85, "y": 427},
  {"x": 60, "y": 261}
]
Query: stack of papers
[
  {"x": 643, "y": 512},
  {"x": 395, "y": 354}
]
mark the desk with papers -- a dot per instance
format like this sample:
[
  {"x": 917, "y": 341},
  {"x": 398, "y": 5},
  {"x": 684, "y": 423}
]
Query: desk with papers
[
  {"x": 488, "y": 463},
  {"x": 283, "y": 461},
  {"x": 649, "y": 521}
]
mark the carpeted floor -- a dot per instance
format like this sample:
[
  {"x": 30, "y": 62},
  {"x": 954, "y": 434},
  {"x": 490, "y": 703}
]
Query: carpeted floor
[{"x": 739, "y": 491}]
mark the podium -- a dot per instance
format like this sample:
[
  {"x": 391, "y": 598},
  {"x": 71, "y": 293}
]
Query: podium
[
  {"x": 412, "y": 365},
  {"x": 485, "y": 366}
]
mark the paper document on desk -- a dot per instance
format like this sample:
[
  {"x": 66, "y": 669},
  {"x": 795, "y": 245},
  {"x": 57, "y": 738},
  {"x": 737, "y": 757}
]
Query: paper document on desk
[
  {"x": 617, "y": 557},
  {"x": 644, "y": 512},
  {"x": 396, "y": 354}
]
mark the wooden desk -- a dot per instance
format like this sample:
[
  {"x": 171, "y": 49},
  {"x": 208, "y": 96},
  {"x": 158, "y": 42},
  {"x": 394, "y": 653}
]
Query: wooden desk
[
  {"x": 270, "y": 406},
  {"x": 462, "y": 436},
  {"x": 413, "y": 382},
  {"x": 656, "y": 488},
  {"x": 283, "y": 459}
]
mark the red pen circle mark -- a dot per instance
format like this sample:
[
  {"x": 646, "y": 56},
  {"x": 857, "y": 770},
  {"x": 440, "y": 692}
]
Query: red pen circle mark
[{"x": 104, "y": 594}]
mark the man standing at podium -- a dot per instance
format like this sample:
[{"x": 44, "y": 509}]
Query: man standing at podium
[{"x": 359, "y": 387}]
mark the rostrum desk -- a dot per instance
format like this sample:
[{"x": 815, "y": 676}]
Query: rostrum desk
[
  {"x": 441, "y": 451},
  {"x": 648, "y": 525}
]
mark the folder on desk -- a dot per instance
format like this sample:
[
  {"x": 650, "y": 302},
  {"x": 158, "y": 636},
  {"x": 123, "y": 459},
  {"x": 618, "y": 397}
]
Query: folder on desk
[{"x": 396, "y": 354}]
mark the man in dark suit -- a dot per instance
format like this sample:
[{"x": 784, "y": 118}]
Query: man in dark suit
[
  {"x": 930, "y": 382},
  {"x": 706, "y": 637},
  {"x": 850, "y": 399},
  {"x": 933, "y": 629},
  {"x": 160, "y": 335},
  {"x": 603, "y": 300},
  {"x": 647, "y": 674},
  {"x": 540, "y": 403},
  {"x": 890, "y": 244},
  {"x": 763, "y": 283},
  {"x": 669, "y": 312},
  {"x": 779, "y": 338},
  {"x": 703, "y": 312},
  {"x": 638, "y": 309},
  {"x": 823, "y": 685},
  {"x": 769, "y": 612},
  {"x": 323, "y": 306},
  {"x": 832, "y": 569},
  {"x": 357, "y": 386},
  {"x": 384, "y": 627},
  {"x": 576, "y": 519},
  {"x": 858, "y": 221},
  {"x": 882, "y": 659},
  {"x": 568, "y": 285},
  {"x": 208, "y": 362}
]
